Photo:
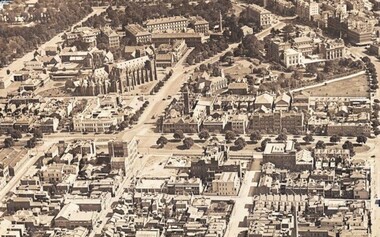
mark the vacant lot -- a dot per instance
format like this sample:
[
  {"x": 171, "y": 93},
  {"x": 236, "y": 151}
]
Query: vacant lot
[{"x": 356, "y": 87}]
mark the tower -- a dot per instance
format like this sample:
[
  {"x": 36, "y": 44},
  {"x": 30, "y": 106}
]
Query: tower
[{"x": 220, "y": 21}]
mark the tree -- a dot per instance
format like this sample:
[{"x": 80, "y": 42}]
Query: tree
[
  {"x": 264, "y": 143},
  {"x": 361, "y": 139},
  {"x": 178, "y": 135},
  {"x": 255, "y": 136},
  {"x": 308, "y": 138},
  {"x": 38, "y": 134},
  {"x": 31, "y": 143},
  {"x": 240, "y": 143},
  {"x": 349, "y": 146},
  {"x": 112, "y": 128},
  {"x": 335, "y": 138},
  {"x": 204, "y": 135},
  {"x": 123, "y": 125},
  {"x": 9, "y": 142},
  {"x": 321, "y": 77},
  {"x": 15, "y": 134},
  {"x": 320, "y": 145},
  {"x": 297, "y": 145},
  {"x": 311, "y": 68},
  {"x": 162, "y": 141},
  {"x": 288, "y": 29},
  {"x": 297, "y": 75},
  {"x": 188, "y": 142},
  {"x": 281, "y": 137},
  {"x": 230, "y": 135}
]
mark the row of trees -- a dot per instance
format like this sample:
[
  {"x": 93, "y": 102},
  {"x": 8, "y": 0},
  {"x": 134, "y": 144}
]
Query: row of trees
[
  {"x": 139, "y": 12},
  {"x": 204, "y": 51},
  {"x": 15, "y": 135},
  {"x": 16, "y": 41}
]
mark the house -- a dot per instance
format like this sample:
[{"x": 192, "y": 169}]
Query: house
[
  {"x": 265, "y": 100},
  {"x": 282, "y": 102},
  {"x": 181, "y": 185},
  {"x": 239, "y": 88}
]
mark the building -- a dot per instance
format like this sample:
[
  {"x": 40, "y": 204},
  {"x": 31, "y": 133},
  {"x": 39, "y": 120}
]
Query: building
[
  {"x": 282, "y": 102},
  {"x": 122, "y": 154},
  {"x": 239, "y": 88},
  {"x": 264, "y": 100},
  {"x": 304, "y": 44},
  {"x": 199, "y": 25},
  {"x": 226, "y": 184},
  {"x": 276, "y": 49},
  {"x": 113, "y": 39},
  {"x": 292, "y": 58},
  {"x": 167, "y": 55},
  {"x": 85, "y": 35},
  {"x": 11, "y": 160},
  {"x": 332, "y": 49},
  {"x": 56, "y": 173},
  {"x": 176, "y": 23},
  {"x": 261, "y": 16},
  {"x": 357, "y": 30},
  {"x": 279, "y": 121},
  {"x": 48, "y": 125},
  {"x": 71, "y": 217},
  {"x": 138, "y": 34},
  {"x": 184, "y": 185},
  {"x": 307, "y": 9},
  {"x": 239, "y": 123},
  {"x": 281, "y": 154},
  {"x": 348, "y": 129},
  {"x": 191, "y": 39},
  {"x": 186, "y": 124},
  {"x": 125, "y": 75},
  {"x": 98, "y": 121}
]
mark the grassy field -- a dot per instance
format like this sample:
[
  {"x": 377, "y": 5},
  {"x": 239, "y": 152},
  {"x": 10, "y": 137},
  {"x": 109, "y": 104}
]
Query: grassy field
[{"x": 355, "y": 87}]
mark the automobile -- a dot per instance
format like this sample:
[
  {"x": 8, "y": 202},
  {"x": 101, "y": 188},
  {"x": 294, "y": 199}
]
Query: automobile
[
  {"x": 169, "y": 97},
  {"x": 84, "y": 133},
  {"x": 373, "y": 156}
]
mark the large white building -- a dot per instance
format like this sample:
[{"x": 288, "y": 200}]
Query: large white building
[
  {"x": 98, "y": 117},
  {"x": 292, "y": 57},
  {"x": 226, "y": 184},
  {"x": 176, "y": 23},
  {"x": 307, "y": 9},
  {"x": 262, "y": 16}
]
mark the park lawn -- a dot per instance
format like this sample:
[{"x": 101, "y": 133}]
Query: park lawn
[
  {"x": 354, "y": 87},
  {"x": 238, "y": 70}
]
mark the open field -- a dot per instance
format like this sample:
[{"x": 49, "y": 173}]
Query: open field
[
  {"x": 155, "y": 167},
  {"x": 355, "y": 87}
]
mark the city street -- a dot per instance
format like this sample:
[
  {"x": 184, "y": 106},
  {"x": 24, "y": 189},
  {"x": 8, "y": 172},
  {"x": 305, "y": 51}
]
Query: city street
[{"x": 372, "y": 156}]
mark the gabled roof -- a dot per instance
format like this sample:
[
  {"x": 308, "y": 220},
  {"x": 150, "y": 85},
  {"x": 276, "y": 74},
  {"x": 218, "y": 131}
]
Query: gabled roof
[
  {"x": 264, "y": 99},
  {"x": 284, "y": 97}
]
